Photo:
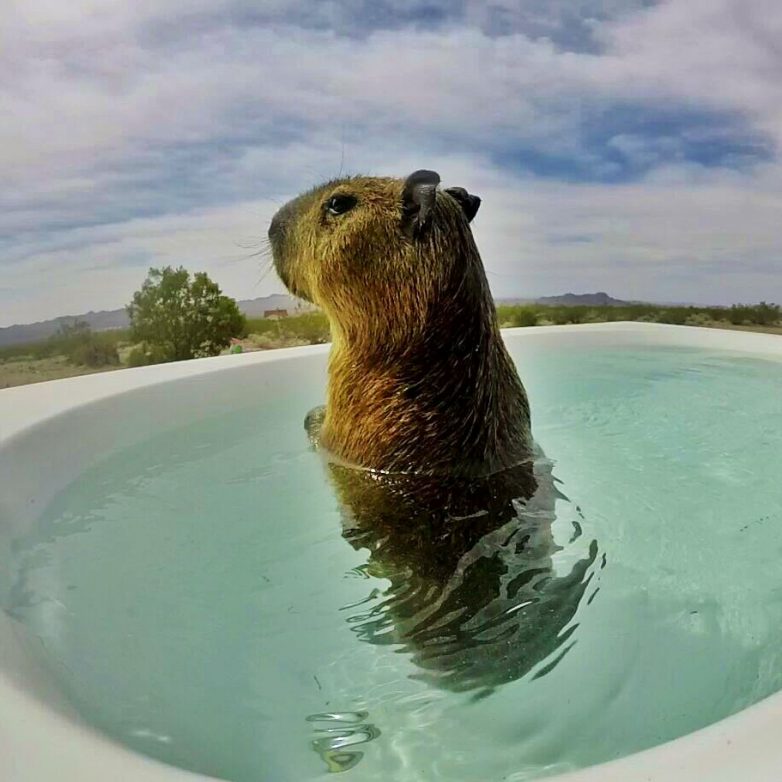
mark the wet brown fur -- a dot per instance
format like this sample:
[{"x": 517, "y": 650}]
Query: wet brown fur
[
  {"x": 419, "y": 378},
  {"x": 473, "y": 596},
  {"x": 420, "y": 383}
]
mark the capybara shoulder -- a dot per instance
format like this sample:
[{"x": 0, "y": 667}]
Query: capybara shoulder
[{"x": 419, "y": 377}]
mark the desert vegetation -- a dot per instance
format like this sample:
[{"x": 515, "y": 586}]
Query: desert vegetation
[
  {"x": 76, "y": 343},
  {"x": 757, "y": 316},
  {"x": 310, "y": 328},
  {"x": 77, "y": 350},
  {"x": 175, "y": 317}
]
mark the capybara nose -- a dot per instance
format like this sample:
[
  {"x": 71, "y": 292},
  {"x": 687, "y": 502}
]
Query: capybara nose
[
  {"x": 280, "y": 222},
  {"x": 276, "y": 225}
]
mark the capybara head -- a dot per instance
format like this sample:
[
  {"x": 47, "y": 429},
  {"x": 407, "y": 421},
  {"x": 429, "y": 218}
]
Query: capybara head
[
  {"x": 419, "y": 377},
  {"x": 377, "y": 254}
]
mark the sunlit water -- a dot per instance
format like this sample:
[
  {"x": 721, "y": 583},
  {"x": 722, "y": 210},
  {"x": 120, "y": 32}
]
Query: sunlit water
[{"x": 196, "y": 599}]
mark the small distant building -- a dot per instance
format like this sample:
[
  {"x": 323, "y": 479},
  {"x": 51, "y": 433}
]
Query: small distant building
[{"x": 275, "y": 314}]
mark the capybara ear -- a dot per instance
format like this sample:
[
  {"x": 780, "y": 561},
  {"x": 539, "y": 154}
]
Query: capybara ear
[
  {"x": 418, "y": 197},
  {"x": 469, "y": 203}
]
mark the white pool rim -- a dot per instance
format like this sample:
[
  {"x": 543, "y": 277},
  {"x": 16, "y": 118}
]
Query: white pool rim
[{"x": 42, "y": 739}]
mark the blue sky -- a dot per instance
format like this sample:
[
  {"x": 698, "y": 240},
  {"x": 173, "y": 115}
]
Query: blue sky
[{"x": 618, "y": 145}]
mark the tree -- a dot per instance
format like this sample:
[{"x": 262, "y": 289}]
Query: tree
[{"x": 176, "y": 318}]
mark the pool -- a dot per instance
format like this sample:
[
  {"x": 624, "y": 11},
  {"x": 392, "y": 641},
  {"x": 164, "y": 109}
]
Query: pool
[{"x": 157, "y": 524}]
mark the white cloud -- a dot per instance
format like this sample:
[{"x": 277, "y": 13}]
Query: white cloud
[
  {"x": 224, "y": 242},
  {"x": 719, "y": 53},
  {"x": 140, "y": 132},
  {"x": 713, "y": 241}
]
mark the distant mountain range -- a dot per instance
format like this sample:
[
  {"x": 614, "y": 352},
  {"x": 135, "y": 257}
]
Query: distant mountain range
[{"x": 599, "y": 299}]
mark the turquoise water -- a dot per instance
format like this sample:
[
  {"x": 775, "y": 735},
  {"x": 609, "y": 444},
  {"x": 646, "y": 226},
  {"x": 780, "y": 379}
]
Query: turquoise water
[{"x": 196, "y": 599}]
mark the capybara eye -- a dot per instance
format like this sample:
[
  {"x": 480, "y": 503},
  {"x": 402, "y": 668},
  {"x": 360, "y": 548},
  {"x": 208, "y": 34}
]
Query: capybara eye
[{"x": 339, "y": 204}]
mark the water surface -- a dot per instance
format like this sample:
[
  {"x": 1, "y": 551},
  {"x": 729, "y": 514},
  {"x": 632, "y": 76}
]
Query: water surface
[{"x": 196, "y": 598}]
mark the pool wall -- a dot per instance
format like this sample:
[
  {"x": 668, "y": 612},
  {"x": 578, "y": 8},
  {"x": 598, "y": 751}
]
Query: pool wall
[{"x": 51, "y": 432}]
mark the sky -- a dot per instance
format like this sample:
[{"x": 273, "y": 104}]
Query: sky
[{"x": 619, "y": 145}]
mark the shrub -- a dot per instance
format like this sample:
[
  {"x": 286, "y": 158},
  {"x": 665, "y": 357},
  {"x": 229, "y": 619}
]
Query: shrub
[
  {"x": 675, "y": 316},
  {"x": 308, "y": 328},
  {"x": 762, "y": 314},
  {"x": 94, "y": 353},
  {"x": 143, "y": 355},
  {"x": 523, "y": 316},
  {"x": 176, "y": 317},
  {"x": 137, "y": 358},
  {"x": 698, "y": 319},
  {"x": 594, "y": 316}
]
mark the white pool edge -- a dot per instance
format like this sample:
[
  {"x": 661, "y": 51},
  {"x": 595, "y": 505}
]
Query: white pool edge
[{"x": 39, "y": 744}]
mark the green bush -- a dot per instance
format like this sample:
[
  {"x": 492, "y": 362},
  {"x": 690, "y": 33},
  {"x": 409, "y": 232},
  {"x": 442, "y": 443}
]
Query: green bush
[
  {"x": 593, "y": 316},
  {"x": 698, "y": 319},
  {"x": 144, "y": 355},
  {"x": 309, "y": 327},
  {"x": 674, "y": 316},
  {"x": 177, "y": 317},
  {"x": 523, "y": 316},
  {"x": 137, "y": 358},
  {"x": 81, "y": 346},
  {"x": 562, "y": 316},
  {"x": 762, "y": 314},
  {"x": 261, "y": 326},
  {"x": 94, "y": 353}
]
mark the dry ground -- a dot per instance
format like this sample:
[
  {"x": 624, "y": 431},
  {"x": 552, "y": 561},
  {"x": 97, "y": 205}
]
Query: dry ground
[{"x": 19, "y": 372}]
